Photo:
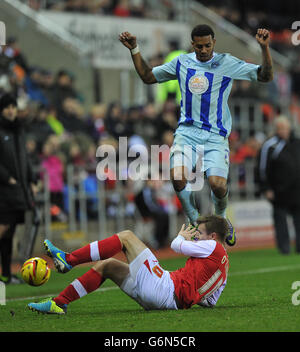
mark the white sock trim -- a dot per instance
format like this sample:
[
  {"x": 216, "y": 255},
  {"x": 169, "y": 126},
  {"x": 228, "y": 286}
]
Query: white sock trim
[
  {"x": 94, "y": 251},
  {"x": 79, "y": 288}
]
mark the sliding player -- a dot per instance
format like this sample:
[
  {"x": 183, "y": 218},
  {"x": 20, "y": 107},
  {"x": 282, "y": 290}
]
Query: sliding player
[
  {"x": 201, "y": 281},
  {"x": 205, "y": 78}
]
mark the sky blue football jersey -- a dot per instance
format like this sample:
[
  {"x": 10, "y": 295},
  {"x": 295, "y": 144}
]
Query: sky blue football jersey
[{"x": 205, "y": 88}]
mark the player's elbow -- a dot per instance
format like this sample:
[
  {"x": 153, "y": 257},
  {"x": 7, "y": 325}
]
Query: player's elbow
[
  {"x": 266, "y": 78},
  {"x": 148, "y": 78},
  {"x": 176, "y": 244},
  {"x": 265, "y": 75},
  {"x": 271, "y": 77}
]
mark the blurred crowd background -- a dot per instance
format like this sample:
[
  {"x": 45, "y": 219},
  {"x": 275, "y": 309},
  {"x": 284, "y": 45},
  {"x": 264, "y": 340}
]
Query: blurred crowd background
[{"x": 61, "y": 131}]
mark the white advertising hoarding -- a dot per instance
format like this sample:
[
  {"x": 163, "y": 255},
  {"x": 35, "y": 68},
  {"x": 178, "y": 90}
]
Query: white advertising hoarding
[
  {"x": 253, "y": 222},
  {"x": 101, "y": 34}
]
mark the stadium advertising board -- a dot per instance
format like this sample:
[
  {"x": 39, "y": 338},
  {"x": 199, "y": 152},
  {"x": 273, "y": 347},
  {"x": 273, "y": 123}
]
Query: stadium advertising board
[
  {"x": 102, "y": 33},
  {"x": 253, "y": 222}
]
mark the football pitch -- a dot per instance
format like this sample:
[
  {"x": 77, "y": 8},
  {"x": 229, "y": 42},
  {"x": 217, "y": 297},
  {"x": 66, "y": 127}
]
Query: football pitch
[{"x": 262, "y": 295}]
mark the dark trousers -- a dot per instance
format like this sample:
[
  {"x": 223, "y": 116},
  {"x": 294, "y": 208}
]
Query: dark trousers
[
  {"x": 281, "y": 228},
  {"x": 161, "y": 233},
  {"x": 6, "y": 247}
]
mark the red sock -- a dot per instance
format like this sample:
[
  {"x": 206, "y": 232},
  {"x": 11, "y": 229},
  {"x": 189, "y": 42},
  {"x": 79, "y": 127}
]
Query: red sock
[
  {"x": 80, "y": 287},
  {"x": 95, "y": 251}
]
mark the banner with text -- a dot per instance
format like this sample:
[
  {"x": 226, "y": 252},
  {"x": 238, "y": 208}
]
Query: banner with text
[
  {"x": 101, "y": 33},
  {"x": 253, "y": 222}
]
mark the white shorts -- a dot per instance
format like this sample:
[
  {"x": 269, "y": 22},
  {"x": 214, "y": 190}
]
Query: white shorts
[{"x": 148, "y": 284}]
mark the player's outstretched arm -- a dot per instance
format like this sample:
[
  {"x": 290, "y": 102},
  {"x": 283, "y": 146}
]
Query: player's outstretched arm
[
  {"x": 265, "y": 72},
  {"x": 141, "y": 67}
]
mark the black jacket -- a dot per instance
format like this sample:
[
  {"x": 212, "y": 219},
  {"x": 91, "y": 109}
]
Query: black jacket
[
  {"x": 14, "y": 162},
  {"x": 147, "y": 203},
  {"x": 278, "y": 169}
]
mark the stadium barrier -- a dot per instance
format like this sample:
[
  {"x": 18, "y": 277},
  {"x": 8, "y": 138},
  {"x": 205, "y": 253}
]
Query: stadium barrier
[{"x": 94, "y": 211}]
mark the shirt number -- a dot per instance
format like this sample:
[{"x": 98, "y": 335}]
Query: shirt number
[{"x": 158, "y": 271}]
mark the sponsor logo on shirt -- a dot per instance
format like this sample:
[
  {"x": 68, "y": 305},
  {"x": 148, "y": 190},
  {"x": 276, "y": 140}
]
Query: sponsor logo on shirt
[{"x": 198, "y": 84}]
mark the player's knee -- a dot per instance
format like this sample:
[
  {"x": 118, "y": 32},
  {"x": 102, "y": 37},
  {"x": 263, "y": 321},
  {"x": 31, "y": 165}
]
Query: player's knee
[
  {"x": 102, "y": 266},
  {"x": 98, "y": 266},
  {"x": 218, "y": 186},
  {"x": 178, "y": 179},
  {"x": 126, "y": 236}
]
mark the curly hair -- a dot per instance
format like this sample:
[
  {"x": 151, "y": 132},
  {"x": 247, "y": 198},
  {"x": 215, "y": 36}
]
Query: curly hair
[{"x": 202, "y": 30}]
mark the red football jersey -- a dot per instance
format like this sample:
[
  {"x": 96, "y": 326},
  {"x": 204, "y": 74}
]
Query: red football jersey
[{"x": 204, "y": 274}]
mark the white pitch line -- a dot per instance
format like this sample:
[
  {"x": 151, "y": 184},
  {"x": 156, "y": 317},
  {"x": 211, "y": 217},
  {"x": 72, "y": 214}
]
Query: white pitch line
[
  {"x": 265, "y": 270},
  {"x": 103, "y": 289},
  {"x": 237, "y": 273}
]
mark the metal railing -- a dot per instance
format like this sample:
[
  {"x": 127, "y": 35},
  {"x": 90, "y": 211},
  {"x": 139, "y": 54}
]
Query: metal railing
[
  {"x": 78, "y": 197},
  {"x": 79, "y": 225}
]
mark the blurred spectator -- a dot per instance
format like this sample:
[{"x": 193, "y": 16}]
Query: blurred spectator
[
  {"x": 12, "y": 49},
  {"x": 122, "y": 8},
  {"x": 149, "y": 206},
  {"x": 96, "y": 121},
  {"x": 278, "y": 175},
  {"x": 63, "y": 88},
  {"x": 16, "y": 182},
  {"x": 72, "y": 116},
  {"x": 5, "y": 61},
  {"x": 33, "y": 86},
  {"x": 44, "y": 124},
  {"x": 295, "y": 75},
  {"x": 167, "y": 139},
  {"x": 47, "y": 84},
  {"x": 170, "y": 89},
  {"x": 167, "y": 121},
  {"x": 134, "y": 120},
  {"x": 137, "y": 8},
  {"x": 53, "y": 121},
  {"x": 247, "y": 150},
  {"x": 32, "y": 151},
  {"x": 150, "y": 123},
  {"x": 116, "y": 122},
  {"x": 75, "y": 156},
  {"x": 53, "y": 166},
  {"x": 245, "y": 89}
]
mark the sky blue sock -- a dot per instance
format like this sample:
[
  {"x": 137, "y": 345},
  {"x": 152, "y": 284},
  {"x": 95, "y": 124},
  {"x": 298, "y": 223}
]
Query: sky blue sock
[
  {"x": 187, "y": 205},
  {"x": 220, "y": 204}
]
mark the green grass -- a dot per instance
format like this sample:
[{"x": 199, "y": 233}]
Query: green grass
[{"x": 257, "y": 298}]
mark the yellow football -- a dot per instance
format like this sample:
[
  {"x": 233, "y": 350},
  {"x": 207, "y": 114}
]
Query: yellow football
[{"x": 35, "y": 271}]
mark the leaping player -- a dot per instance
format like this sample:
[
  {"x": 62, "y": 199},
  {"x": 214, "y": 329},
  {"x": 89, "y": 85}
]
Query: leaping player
[
  {"x": 205, "y": 78},
  {"x": 201, "y": 281}
]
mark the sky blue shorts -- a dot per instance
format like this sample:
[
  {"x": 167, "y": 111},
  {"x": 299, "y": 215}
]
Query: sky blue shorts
[{"x": 195, "y": 144}]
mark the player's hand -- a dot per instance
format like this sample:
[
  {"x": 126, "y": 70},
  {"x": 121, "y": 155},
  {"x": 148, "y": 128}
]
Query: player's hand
[
  {"x": 190, "y": 233},
  {"x": 12, "y": 181},
  {"x": 128, "y": 40},
  {"x": 263, "y": 37}
]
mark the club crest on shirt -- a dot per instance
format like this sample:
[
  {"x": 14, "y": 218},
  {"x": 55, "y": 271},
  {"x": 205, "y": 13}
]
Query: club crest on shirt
[
  {"x": 198, "y": 84},
  {"x": 215, "y": 65}
]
